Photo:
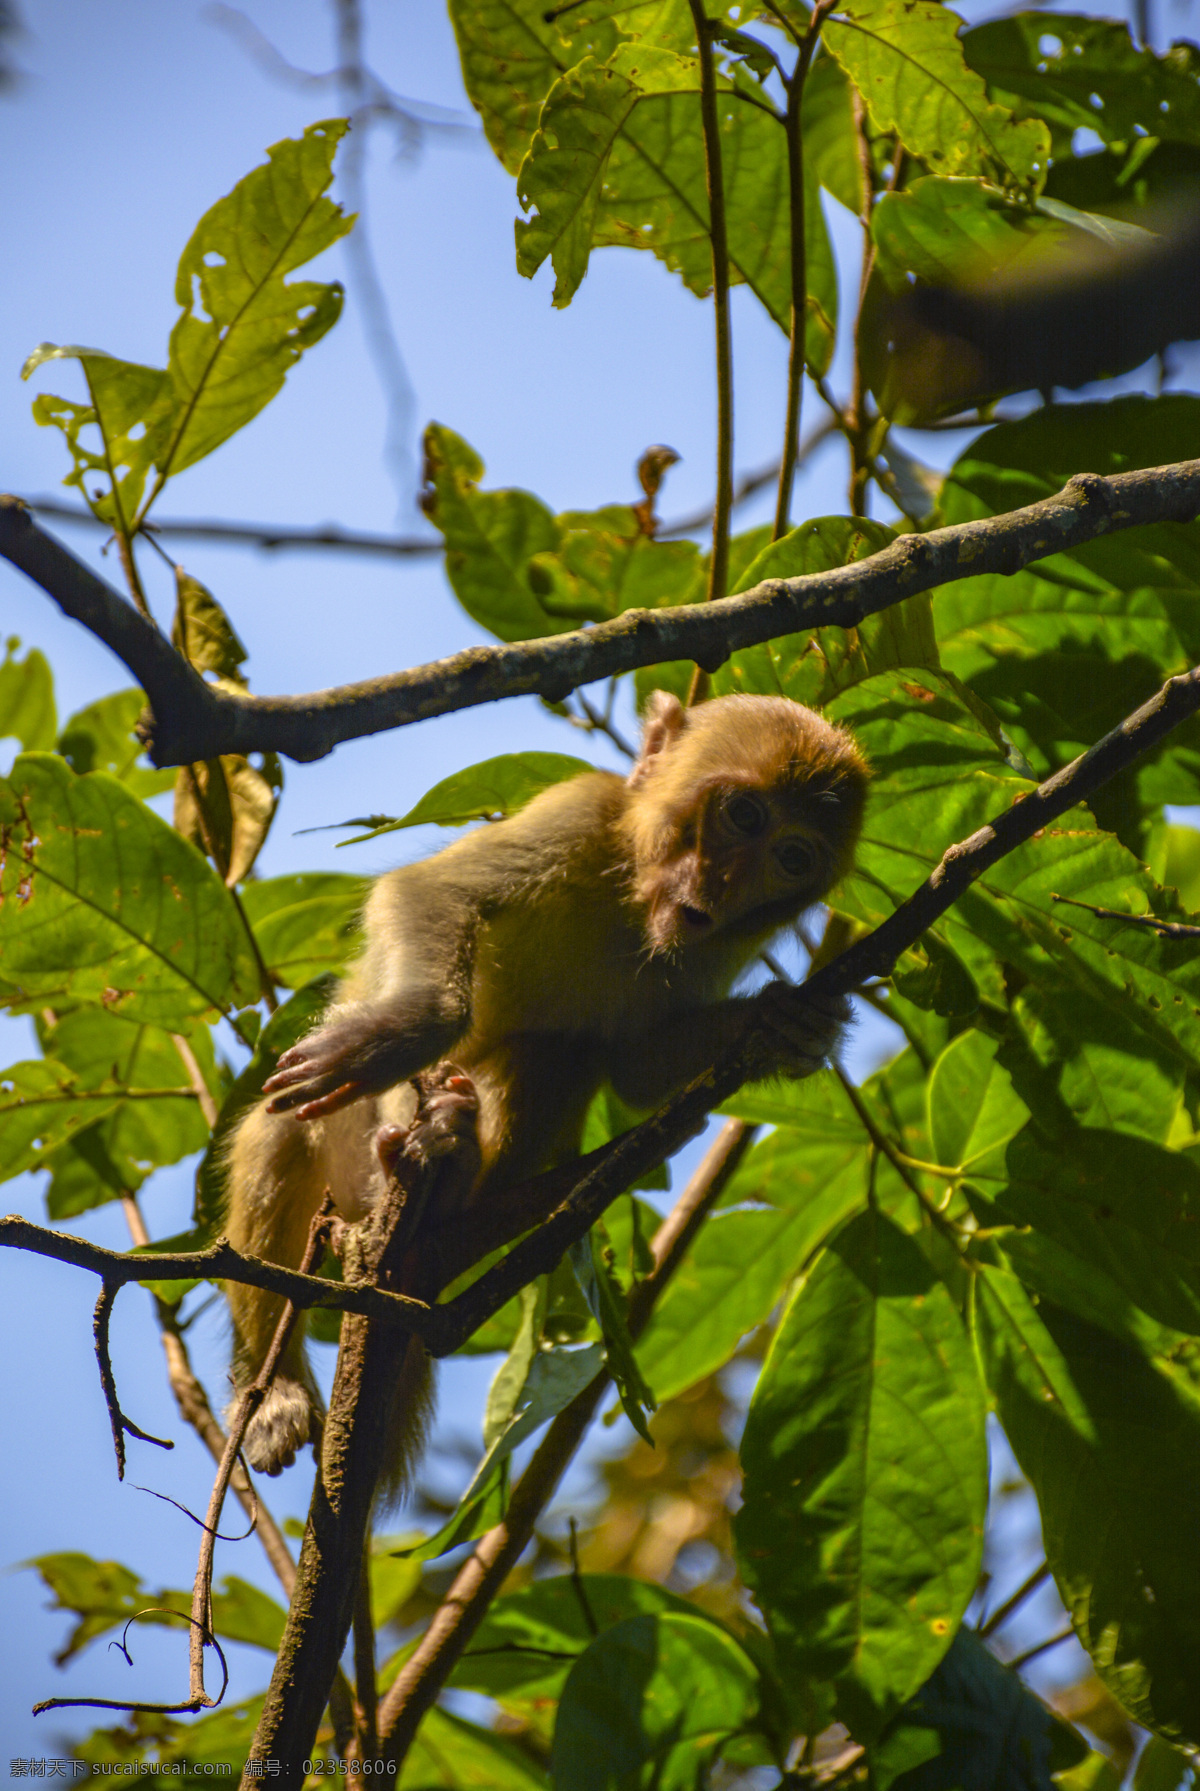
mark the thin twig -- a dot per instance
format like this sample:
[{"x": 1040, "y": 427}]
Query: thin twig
[
  {"x": 718, "y": 567},
  {"x": 1021, "y": 1660},
  {"x": 1024, "y": 1590},
  {"x": 1166, "y": 929},
  {"x": 116, "y": 1417}
]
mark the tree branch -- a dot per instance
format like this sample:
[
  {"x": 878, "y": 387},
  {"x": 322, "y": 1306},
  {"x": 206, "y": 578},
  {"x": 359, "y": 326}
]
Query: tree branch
[{"x": 195, "y": 721}]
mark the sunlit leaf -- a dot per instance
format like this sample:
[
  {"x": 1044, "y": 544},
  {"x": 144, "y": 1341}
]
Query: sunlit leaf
[
  {"x": 484, "y": 792},
  {"x": 100, "y": 737},
  {"x": 27, "y": 710},
  {"x": 906, "y": 59},
  {"x": 307, "y": 923},
  {"x": 103, "y": 902}
]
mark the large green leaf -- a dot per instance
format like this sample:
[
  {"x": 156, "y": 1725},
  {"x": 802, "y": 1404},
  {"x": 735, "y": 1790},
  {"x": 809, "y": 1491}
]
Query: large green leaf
[
  {"x": 1117, "y": 1201},
  {"x": 307, "y": 923},
  {"x": 973, "y": 1109},
  {"x": 906, "y": 60},
  {"x": 650, "y": 1704},
  {"x": 618, "y": 158},
  {"x": 813, "y": 665},
  {"x": 745, "y": 1254},
  {"x": 104, "y": 902},
  {"x": 975, "y": 1726},
  {"x": 865, "y": 1474},
  {"x": 1112, "y": 1448},
  {"x": 1076, "y": 1061},
  {"x": 1077, "y": 72}
]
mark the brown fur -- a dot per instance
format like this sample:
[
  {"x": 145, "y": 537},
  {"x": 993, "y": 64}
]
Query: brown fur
[{"x": 594, "y": 935}]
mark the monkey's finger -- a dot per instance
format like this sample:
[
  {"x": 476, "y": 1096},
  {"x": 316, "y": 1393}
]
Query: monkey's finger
[
  {"x": 345, "y": 1096},
  {"x": 287, "y": 1075}
]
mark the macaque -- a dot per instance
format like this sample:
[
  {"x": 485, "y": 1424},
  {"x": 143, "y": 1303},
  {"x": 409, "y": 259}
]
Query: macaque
[{"x": 592, "y": 936}]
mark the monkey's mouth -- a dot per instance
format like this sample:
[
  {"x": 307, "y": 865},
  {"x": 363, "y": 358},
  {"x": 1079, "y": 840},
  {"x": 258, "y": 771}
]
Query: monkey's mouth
[{"x": 695, "y": 920}]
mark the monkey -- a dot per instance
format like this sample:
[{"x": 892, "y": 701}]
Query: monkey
[{"x": 593, "y": 935}]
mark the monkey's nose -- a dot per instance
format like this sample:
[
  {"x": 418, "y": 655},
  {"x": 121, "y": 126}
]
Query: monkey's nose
[{"x": 695, "y": 918}]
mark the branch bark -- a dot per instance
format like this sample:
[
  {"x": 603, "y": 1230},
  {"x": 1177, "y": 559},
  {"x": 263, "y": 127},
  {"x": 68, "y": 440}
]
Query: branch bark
[{"x": 193, "y": 721}]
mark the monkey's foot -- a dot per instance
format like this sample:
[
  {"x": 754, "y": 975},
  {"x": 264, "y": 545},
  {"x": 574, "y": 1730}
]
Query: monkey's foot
[
  {"x": 282, "y": 1424},
  {"x": 445, "y": 1130},
  {"x": 801, "y": 1031}
]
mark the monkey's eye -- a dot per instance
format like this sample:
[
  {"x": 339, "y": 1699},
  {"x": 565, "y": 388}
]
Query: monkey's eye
[
  {"x": 795, "y": 858},
  {"x": 747, "y": 813}
]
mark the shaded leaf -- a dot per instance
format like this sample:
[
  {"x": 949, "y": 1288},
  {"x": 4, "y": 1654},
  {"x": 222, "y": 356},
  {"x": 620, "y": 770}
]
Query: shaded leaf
[
  {"x": 100, "y": 737},
  {"x": 650, "y": 1703},
  {"x": 973, "y": 1108},
  {"x": 1088, "y": 1414},
  {"x": 462, "y": 1756},
  {"x": 973, "y": 1725},
  {"x": 865, "y": 1475},
  {"x": 605, "y": 1297},
  {"x": 202, "y": 631},
  {"x": 225, "y": 807}
]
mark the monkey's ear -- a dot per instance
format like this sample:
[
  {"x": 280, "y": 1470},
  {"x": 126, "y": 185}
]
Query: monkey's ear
[{"x": 666, "y": 719}]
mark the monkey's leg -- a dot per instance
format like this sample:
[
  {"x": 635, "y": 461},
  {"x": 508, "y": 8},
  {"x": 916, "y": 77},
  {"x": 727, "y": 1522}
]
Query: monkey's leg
[{"x": 278, "y": 1173}]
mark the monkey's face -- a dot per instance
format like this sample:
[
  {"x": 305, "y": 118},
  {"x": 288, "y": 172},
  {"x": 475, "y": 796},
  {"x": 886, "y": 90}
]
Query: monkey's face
[{"x": 741, "y": 852}]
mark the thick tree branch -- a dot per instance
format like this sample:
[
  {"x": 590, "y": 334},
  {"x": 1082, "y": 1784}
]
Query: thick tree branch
[{"x": 194, "y": 721}]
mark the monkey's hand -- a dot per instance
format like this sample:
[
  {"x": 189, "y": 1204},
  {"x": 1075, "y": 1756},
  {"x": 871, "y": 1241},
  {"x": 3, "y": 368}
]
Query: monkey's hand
[
  {"x": 796, "y": 1032},
  {"x": 351, "y": 1057}
]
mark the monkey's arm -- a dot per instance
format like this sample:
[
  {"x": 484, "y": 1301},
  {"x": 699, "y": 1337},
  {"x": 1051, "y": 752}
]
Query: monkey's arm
[
  {"x": 796, "y": 1037},
  {"x": 405, "y": 1004}
]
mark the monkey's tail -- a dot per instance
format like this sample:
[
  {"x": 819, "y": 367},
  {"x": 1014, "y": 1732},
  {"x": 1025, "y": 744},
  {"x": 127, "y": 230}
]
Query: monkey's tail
[{"x": 409, "y": 1422}]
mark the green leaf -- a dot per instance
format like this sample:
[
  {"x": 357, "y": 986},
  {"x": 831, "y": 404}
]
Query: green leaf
[
  {"x": 650, "y": 1704},
  {"x": 134, "y": 409},
  {"x": 1162, "y": 1767},
  {"x": 103, "y": 1595},
  {"x": 548, "y": 1380},
  {"x": 1077, "y": 72},
  {"x": 973, "y": 1109},
  {"x": 831, "y": 152},
  {"x": 906, "y": 60},
  {"x": 1095, "y": 1773},
  {"x": 243, "y": 324},
  {"x": 307, "y": 923},
  {"x": 620, "y": 161},
  {"x": 976, "y": 1726},
  {"x": 1077, "y": 1062},
  {"x": 100, "y": 737},
  {"x": 153, "y": 1116},
  {"x": 865, "y": 1475},
  {"x": 605, "y": 1297},
  {"x": 470, "y": 1519},
  {"x": 744, "y": 1255},
  {"x": 290, "y": 1022},
  {"x": 103, "y": 902},
  {"x": 1119, "y": 1202},
  {"x": 451, "y": 1752},
  {"x": 511, "y": 57},
  {"x": 528, "y": 1641},
  {"x": 1112, "y": 1447},
  {"x": 484, "y": 792},
  {"x": 491, "y": 537},
  {"x": 600, "y": 571},
  {"x": 814, "y": 665},
  {"x": 27, "y": 709}
]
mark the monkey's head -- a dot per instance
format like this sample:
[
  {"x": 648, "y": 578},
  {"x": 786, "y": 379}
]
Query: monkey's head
[{"x": 742, "y": 812}]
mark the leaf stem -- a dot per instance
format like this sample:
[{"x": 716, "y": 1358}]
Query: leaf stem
[
  {"x": 799, "y": 266},
  {"x": 718, "y": 570}
]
